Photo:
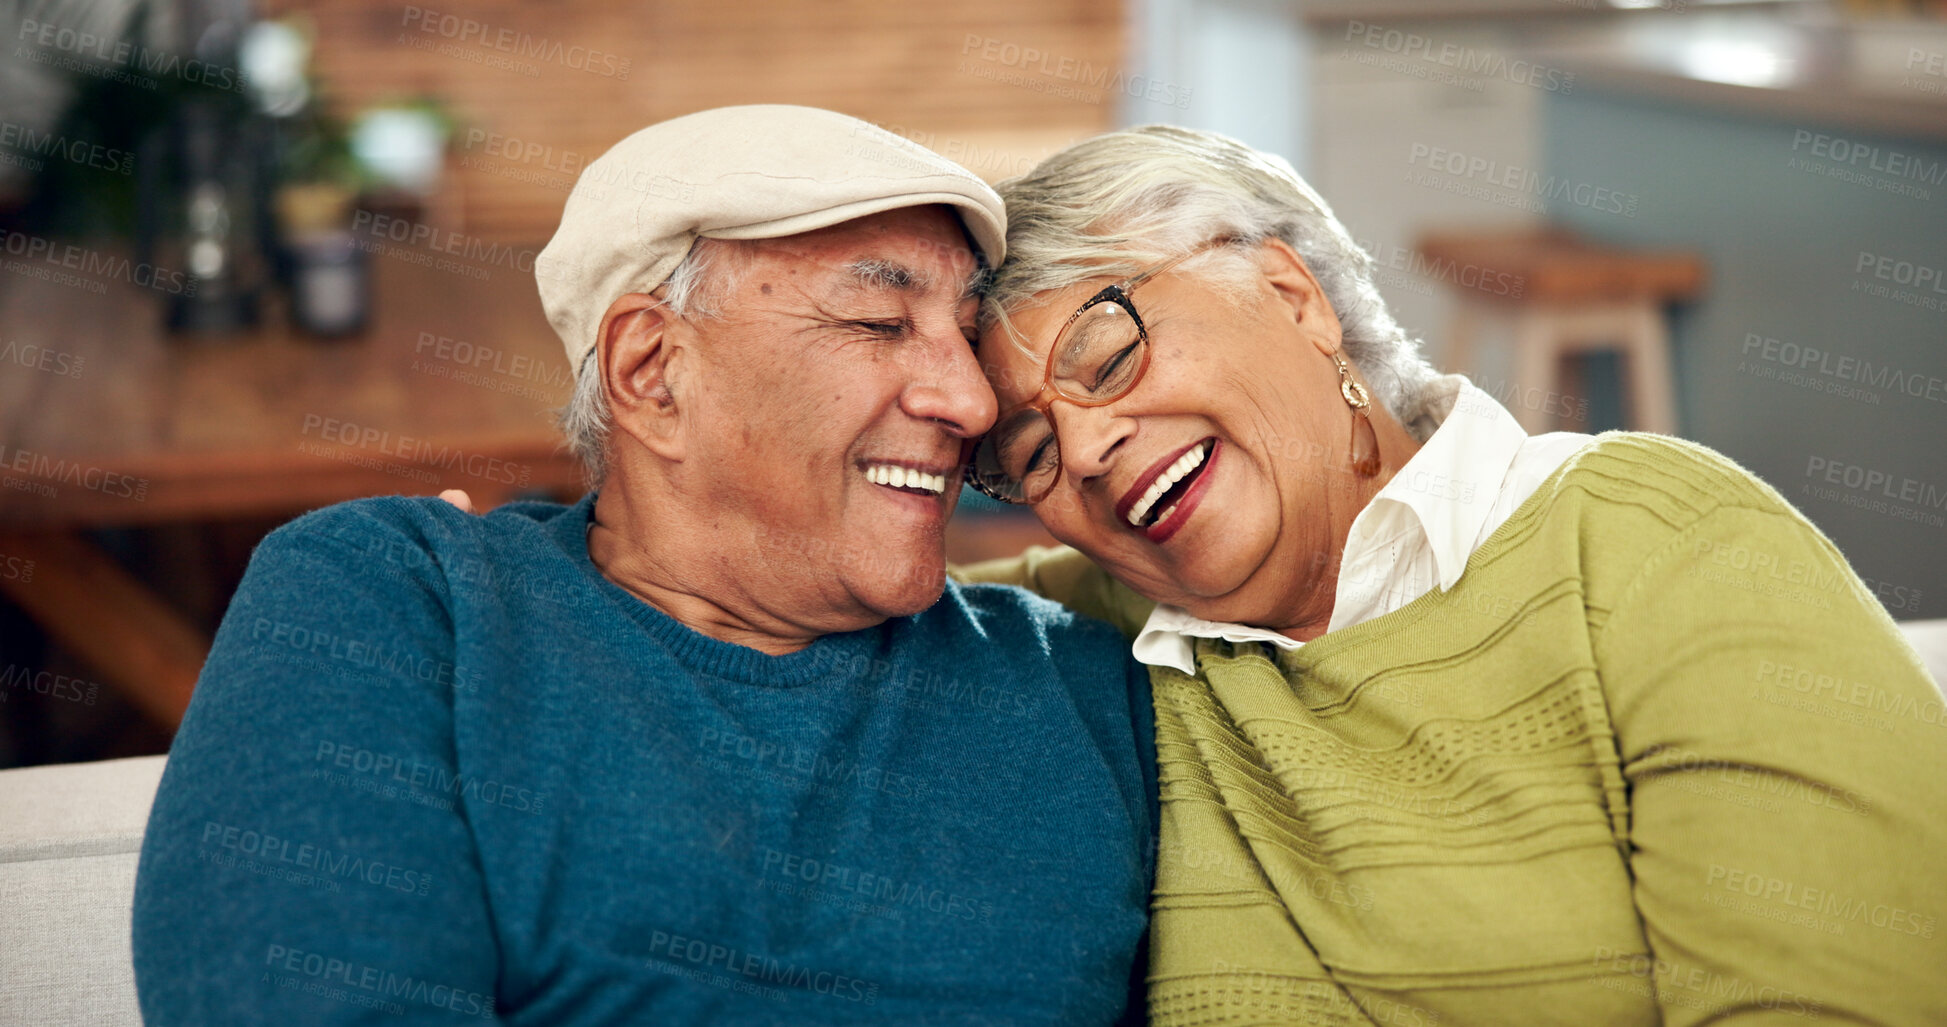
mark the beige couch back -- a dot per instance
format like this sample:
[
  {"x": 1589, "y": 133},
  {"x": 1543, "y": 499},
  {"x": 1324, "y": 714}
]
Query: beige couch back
[{"x": 69, "y": 838}]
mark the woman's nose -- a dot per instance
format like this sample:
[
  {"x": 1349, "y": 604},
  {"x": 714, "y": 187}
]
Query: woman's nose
[{"x": 1089, "y": 438}]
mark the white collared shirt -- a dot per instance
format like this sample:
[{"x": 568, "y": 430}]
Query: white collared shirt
[{"x": 1468, "y": 478}]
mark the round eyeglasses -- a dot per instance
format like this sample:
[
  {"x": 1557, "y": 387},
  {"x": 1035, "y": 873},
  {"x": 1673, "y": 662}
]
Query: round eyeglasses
[{"x": 1099, "y": 356}]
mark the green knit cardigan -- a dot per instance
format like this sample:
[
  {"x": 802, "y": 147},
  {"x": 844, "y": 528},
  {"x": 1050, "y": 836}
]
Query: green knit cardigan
[{"x": 1657, "y": 758}]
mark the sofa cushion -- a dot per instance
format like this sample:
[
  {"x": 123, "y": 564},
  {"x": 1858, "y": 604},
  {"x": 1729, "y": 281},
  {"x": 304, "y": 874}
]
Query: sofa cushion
[{"x": 69, "y": 839}]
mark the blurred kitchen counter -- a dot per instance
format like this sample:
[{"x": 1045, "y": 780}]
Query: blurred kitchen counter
[
  {"x": 1885, "y": 77},
  {"x": 1799, "y": 62}
]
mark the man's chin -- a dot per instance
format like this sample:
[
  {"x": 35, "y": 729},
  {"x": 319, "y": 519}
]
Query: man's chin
[{"x": 903, "y": 592}]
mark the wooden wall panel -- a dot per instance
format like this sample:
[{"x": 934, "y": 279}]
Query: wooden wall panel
[{"x": 995, "y": 84}]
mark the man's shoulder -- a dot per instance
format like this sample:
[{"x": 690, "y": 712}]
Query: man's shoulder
[
  {"x": 1012, "y": 616},
  {"x": 422, "y": 522},
  {"x": 416, "y": 540}
]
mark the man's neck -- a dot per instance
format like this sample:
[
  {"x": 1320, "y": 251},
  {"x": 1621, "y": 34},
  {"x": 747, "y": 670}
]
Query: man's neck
[{"x": 695, "y": 576}]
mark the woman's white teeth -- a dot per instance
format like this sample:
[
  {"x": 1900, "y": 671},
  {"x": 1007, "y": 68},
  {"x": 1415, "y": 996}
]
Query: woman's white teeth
[
  {"x": 905, "y": 478},
  {"x": 1165, "y": 481}
]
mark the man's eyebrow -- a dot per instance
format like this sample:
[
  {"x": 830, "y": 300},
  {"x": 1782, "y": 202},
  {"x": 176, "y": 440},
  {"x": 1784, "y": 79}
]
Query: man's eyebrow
[{"x": 874, "y": 273}]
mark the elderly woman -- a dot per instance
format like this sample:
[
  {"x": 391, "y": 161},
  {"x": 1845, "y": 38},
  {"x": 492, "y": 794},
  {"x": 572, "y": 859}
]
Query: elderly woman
[{"x": 1455, "y": 725}]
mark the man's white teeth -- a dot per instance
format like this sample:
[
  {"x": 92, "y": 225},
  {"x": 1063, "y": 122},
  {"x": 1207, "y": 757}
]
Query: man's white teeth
[
  {"x": 905, "y": 477},
  {"x": 1176, "y": 472}
]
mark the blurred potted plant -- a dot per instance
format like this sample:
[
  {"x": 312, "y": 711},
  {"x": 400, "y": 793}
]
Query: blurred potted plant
[{"x": 319, "y": 261}]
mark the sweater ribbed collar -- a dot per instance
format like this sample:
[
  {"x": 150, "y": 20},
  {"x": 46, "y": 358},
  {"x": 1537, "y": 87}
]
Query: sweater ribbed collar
[{"x": 831, "y": 658}]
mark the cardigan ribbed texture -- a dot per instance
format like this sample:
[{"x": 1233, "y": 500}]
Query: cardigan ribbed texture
[{"x": 1658, "y": 757}]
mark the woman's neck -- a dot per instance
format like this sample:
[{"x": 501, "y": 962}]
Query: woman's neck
[{"x": 1313, "y": 597}]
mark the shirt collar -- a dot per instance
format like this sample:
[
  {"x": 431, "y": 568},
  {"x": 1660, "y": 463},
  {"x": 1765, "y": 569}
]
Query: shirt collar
[
  {"x": 1164, "y": 640},
  {"x": 1451, "y": 484},
  {"x": 1448, "y": 488}
]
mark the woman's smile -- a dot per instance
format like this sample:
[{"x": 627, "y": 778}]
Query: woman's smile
[{"x": 1163, "y": 499}]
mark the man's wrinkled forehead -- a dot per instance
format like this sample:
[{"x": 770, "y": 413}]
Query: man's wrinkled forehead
[{"x": 903, "y": 261}]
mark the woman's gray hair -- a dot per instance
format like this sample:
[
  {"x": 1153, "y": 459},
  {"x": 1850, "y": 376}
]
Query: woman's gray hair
[
  {"x": 694, "y": 289},
  {"x": 1121, "y": 201}
]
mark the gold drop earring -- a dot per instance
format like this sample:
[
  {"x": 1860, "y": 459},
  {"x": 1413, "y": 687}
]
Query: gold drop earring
[{"x": 1364, "y": 456}]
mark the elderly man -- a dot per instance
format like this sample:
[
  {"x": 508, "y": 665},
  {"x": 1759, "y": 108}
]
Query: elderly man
[{"x": 708, "y": 745}]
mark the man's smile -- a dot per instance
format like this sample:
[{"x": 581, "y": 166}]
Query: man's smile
[{"x": 912, "y": 478}]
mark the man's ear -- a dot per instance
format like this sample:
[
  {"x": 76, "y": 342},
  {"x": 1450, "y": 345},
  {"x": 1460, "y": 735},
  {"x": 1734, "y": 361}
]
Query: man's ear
[
  {"x": 639, "y": 359},
  {"x": 1291, "y": 280}
]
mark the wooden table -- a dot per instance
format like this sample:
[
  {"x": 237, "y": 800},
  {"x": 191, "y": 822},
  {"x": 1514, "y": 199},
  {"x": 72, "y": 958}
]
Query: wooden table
[{"x": 105, "y": 421}]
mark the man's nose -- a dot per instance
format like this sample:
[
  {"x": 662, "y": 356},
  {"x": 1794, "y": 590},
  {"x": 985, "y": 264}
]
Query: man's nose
[{"x": 950, "y": 389}]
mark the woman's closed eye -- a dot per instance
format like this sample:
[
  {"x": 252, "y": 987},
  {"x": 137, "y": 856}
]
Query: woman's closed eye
[
  {"x": 1115, "y": 370},
  {"x": 1042, "y": 457},
  {"x": 1024, "y": 448}
]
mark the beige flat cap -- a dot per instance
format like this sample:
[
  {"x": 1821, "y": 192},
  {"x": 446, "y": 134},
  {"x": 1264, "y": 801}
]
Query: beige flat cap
[{"x": 756, "y": 172}]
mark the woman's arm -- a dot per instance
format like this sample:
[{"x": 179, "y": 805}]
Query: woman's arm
[
  {"x": 1786, "y": 759},
  {"x": 1067, "y": 577}
]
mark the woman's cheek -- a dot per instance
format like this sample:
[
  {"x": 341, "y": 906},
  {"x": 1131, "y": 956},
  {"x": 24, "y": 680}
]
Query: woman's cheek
[{"x": 1062, "y": 514}]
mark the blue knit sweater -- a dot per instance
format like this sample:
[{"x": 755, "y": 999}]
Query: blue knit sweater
[{"x": 439, "y": 770}]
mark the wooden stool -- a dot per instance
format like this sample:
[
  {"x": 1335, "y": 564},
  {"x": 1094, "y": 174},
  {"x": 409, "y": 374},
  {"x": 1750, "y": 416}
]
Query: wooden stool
[{"x": 1564, "y": 295}]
